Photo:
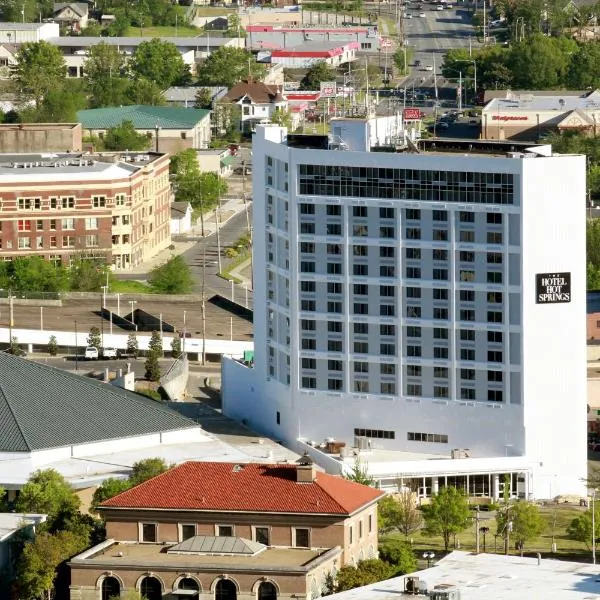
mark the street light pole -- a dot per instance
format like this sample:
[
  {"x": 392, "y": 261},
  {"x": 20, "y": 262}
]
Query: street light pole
[
  {"x": 593, "y": 526},
  {"x": 76, "y": 349}
]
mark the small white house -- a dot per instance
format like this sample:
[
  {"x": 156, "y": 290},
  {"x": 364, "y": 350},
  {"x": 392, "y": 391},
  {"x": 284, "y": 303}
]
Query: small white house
[
  {"x": 258, "y": 102},
  {"x": 181, "y": 218},
  {"x": 12, "y": 524}
]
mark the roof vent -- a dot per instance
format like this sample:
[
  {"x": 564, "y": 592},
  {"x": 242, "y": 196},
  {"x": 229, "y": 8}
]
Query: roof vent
[{"x": 237, "y": 468}]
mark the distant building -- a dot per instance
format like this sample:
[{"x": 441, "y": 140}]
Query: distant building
[
  {"x": 170, "y": 128},
  {"x": 527, "y": 116},
  {"x": 264, "y": 37},
  {"x": 225, "y": 530},
  {"x": 8, "y": 59},
  {"x": 58, "y": 205},
  {"x": 71, "y": 15},
  {"x": 181, "y": 217},
  {"x": 20, "y": 33},
  {"x": 40, "y": 137},
  {"x": 305, "y": 55},
  {"x": 186, "y": 96},
  {"x": 258, "y": 102},
  {"x": 216, "y": 160}
]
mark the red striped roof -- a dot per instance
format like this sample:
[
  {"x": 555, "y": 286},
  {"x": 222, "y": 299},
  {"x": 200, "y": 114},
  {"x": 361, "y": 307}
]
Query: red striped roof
[{"x": 231, "y": 487}]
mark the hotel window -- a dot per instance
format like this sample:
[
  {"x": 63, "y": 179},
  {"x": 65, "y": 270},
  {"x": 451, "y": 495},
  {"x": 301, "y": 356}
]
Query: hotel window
[
  {"x": 467, "y": 354},
  {"x": 308, "y": 286},
  {"x": 494, "y": 376},
  {"x": 467, "y": 394},
  {"x": 494, "y": 395},
  {"x": 413, "y": 332},
  {"x": 440, "y": 274},
  {"x": 413, "y": 351},
  {"x": 440, "y": 313},
  {"x": 387, "y": 369},
  {"x": 440, "y": 215},
  {"x": 494, "y": 297},
  {"x": 467, "y": 315},
  {"x": 361, "y": 386},
  {"x": 466, "y": 256},
  {"x": 387, "y": 232},
  {"x": 361, "y": 367},
  {"x": 494, "y": 316},
  {"x": 414, "y": 370},
  {"x": 467, "y": 335},
  {"x": 91, "y": 223},
  {"x": 467, "y": 374},
  {"x": 494, "y": 258},
  {"x": 414, "y": 389},
  {"x": 467, "y": 296},
  {"x": 387, "y": 349},
  {"x": 440, "y": 391},
  {"x": 309, "y": 363},
  {"x": 494, "y": 337},
  {"x": 387, "y": 271},
  {"x": 68, "y": 202},
  {"x": 309, "y": 383},
  {"x": 333, "y": 210},
  {"x": 334, "y": 268},
  {"x": 307, "y": 247},
  {"x": 361, "y": 347},
  {"x": 440, "y": 372},
  {"x": 308, "y": 305},
  {"x": 360, "y": 289},
  {"x": 440, "y": 235},
  {"x": 387, "y": 291},
  {"x": 53, "y": 202},
  {"x": 334, "y": 326},
  {"x": 466, "y": 217},
  {"x": 360, "y": 250},
  {"x": 387, "y": 310},
  {"x": 467, "y": 236},
  {"x": 334, "y": 249},
  {"x": 412, "y": 272},
  {"x": 39, "y": 225},
  {"x": 494, "y": 218},
  {"x": 386, "y": 252},
  {"x": 440, "y": 254},
  {"x": 361, "y": 328},
  {"x": 332, "y": 346},
  {"x": 68, "y": 223},
  {"x": 466, "y": 275},
  {"x": 440, "y": 294},
  {"x": 307, "y": 209},
  {"x": 359, "y": 211},
  {"x": 24, "y": 243},
  {"x": 24, "y": 225},
  {"x": 360, "y": 230},
  {"x": 440, "y": 352},
  {"x": 413, "y": 214},
  {"x": 413, "y": 233},
  {"x": 148, "y": 532},
  {"x": 188, "y": 530},
  {"x": 413, "y": 312},
  {"x": 413, "y": 253},
  {"x": 335, "y": 385},
  {"x": 387, "y": 387},
  {"x": 307, "y": 266},
  {"x": 334, "y": 307},
  {"x": 494, "y": 237},
  {"x": 494, "y": 277},
  {"x": 225, "y": 530},
  {"x": 440, "y": 333},
  {"x": 334, "y": 229},
  {"x": 386, "y": 213},
  {"x": 261, "y": 535},
  {"x": 494, "y": 356},
  {"x": 335, "y": 365},
  {"x": 301, "y": 537},
  {"x": 413, "y": 292},
  {"x": 119, "y": 199},
  {"x": 68, "y": 241},
  {"x": 307, "y": 227}
]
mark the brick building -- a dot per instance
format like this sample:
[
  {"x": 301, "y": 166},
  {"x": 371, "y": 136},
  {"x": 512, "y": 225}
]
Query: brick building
[
  {"x": 112, "y": 206},
  {"x": 229, "y": 531}
]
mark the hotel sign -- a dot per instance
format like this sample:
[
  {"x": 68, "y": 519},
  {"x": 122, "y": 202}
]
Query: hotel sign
[
  {"x": 552, "y": 288},
  {"x": 412, "y": 114}
]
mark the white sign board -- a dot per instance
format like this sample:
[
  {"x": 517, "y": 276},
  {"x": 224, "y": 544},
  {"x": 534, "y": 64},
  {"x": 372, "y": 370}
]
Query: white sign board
[{"x": 328, "y": 89}]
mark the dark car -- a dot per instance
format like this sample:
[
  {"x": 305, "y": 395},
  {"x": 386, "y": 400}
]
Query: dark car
[{"x": 417, "y": 63}]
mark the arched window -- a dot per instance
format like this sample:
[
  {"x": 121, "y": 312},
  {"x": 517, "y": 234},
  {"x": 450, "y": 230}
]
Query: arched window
[
  {"x": 187, "y": 583},
  {"x": 110, "y": 588},
  {"x": 267, "y": 591},
  {"x": 151, "y": 588},
  {"x": 225, "y": 590}
]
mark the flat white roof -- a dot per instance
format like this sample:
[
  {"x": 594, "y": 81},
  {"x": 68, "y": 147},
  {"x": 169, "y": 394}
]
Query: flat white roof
[
  {"x": 88, "y": 471},
  {"x": 558, "y": 102},
  {"x": 494, "y": 577},
  {"x": 10, "y": 523}
]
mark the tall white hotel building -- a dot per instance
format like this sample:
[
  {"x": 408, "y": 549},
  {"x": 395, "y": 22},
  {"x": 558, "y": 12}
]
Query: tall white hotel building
[{"x": 426, "y": 308}]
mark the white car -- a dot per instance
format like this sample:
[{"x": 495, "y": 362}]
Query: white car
[
  {"x": 109, "y": 352},
  {"x": 91, "y": 353},
  {"x": 422, "y": 15},
  {"x": 428, "y": 68}
]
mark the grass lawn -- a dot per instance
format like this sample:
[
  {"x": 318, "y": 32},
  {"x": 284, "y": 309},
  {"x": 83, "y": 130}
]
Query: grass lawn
[
  {"x": 560, "y": 514},
  {"x": 129, "y": 286},
  {"x": 163, "y": 31},
  {"x": 212, "y": 11}
]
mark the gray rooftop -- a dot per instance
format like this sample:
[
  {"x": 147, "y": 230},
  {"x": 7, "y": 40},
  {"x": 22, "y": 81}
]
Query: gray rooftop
[
  {"x": 42, "y": 407},
  {"x": 557, "y": 101},
  {"x": 188, "y": 42},
  {"x": 316, "y": 46},
  {"x": 210, "y": 544},
  {"x": 10, "y": 26},
  {"x": 188, "y": 94}
]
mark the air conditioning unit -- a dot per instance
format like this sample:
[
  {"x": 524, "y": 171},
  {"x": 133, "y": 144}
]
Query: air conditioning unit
[
  {"x": 411, "y": 585},
  {"x": 361, "y": 442}
]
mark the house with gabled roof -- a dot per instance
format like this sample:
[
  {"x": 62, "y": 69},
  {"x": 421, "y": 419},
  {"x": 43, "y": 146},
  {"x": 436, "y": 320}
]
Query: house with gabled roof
[
  {"x": 258, "y": 102},
  {"x": 229, "y": 531},
  {"x": 73, "y": 15}
]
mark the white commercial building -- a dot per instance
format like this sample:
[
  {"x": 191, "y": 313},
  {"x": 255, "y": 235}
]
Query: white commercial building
[
  {"x": 425, "y": 306},
  {"x": 21, "y": 33}
]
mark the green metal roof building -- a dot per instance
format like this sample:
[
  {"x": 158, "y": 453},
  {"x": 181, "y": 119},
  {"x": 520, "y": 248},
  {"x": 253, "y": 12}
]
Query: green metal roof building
[{"x": 169, "y": 129}]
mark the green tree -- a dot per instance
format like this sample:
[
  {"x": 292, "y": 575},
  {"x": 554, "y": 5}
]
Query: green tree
[
  {"x": 125, "y": 137},
  {"x": 283, "y": 118},
  {"x": 593, "y": 242},
  {"x": 40, "y": 560},
  {"x": 366, "y": 572},
  {"x": 152, "y": 367},
  {"x": 527, "y": 522},
  {"x": 94, "y": 338},
  {"x": 593, "y": 277},
  {"x": 27, "y": 11},
  {"x": 172, "y": 277},
  {"x": 203, "y": 99},
  {"x": 158, "y": 61},
  {"x": 59, "y": 105},
  {"x": 87, "y": 274},
  {"x": 110, "y": 487},
  {"x": 52, "y": 346},
  {"x": 211, "y": 188},
  {"x": 145, "y": 469},
  {"x": 14, "y": 347},
  {"x": 580, "y": 528},
  {"x": 360, "y": 473},
  {"x": 133, "y": 348},
  {"x": 155, "y": 345},
  {"x": 447, "y": 514},
  {"x": 317, "y": 73},
  {"x": 585, "y": 67},
  {"x": 33, "y": 273},
  {"x": 40, "y": 68},
  {"x": 229, "y": 66},
  {"x": 144, "y": 91},
  {"x": 409, "y": 517},
  {"x": 388, "y": 514},
  {"x": 47, "y": 492},
  {"x": 176, "y": 346},
  {"x": 105, "y": 75},
  {"x": 399, "y": 555}
]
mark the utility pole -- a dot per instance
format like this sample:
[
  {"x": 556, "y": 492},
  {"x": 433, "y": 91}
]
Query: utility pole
[
  {"x": 477, "y": 531},
  {"x": 218, "y": 236},
  {"x": 203, "y": 306},
  {"x": 484, "y": 22},
  {"x": 76, "y": 349}
]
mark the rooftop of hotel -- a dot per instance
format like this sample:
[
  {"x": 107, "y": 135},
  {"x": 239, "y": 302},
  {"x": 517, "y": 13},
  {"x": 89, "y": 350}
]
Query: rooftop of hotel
[
  {"x": 199, "y": 43},
  {"x": 113, "y": 553}
]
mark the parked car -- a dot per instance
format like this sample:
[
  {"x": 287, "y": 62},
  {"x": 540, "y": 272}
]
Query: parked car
[
  {"x": 443, "y": 125},
  {"x": 109, "y": 352},
  {"x": 417, "y": 63},
  {"x": 428, "y": 68},
  {"x": 422, "y": 15},
  {"x": 91, "y": 353}
]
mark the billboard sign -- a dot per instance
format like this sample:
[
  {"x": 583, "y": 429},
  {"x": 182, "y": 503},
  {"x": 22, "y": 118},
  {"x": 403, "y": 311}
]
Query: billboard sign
[
  {"x": 328, "y": 89},
  {"x": 411, "y": 114},
  {"x": 552, "y": 288}
]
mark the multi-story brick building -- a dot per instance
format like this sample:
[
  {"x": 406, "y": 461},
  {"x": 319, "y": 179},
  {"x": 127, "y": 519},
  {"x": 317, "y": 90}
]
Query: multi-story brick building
[
  {"x": 229, "y": 531},
  {"x": 111, "y": 206}
]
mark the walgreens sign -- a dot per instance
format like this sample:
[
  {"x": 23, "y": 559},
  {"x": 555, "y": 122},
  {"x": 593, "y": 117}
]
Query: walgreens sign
[
  {"x": 510, "y": 118},
  {"x": 411, "y": 114}
]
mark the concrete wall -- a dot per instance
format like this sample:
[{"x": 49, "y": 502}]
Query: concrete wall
[
  {"x": 42, "y": 137},
  {"x": 174, "y": 381}
]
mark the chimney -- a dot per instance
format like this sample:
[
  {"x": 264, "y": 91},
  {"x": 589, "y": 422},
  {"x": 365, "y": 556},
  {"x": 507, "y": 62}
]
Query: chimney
[{"x": 305, "y": 469}]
